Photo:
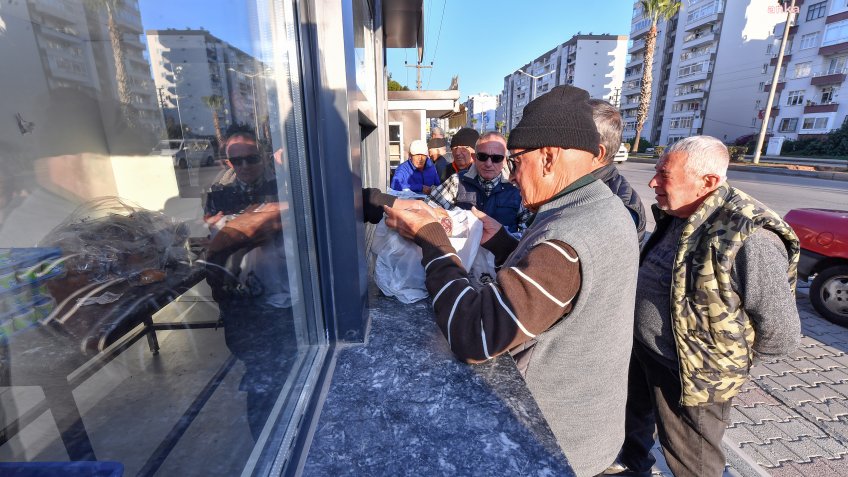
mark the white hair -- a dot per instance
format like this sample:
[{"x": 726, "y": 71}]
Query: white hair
[{"x": 704, "y": 155}]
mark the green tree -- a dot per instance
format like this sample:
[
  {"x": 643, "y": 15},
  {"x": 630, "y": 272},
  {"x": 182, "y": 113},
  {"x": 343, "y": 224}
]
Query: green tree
[
  {"x": 499, "y": 125},
  {"x": 655, "y": 10},
  {"x": 215, "y": 103},
  {"x": 395, "y": 86}
]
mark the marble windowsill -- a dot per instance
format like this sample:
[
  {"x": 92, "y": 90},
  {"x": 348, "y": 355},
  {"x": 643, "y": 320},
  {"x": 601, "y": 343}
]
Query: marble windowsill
[{"x": 403, "y": 405}]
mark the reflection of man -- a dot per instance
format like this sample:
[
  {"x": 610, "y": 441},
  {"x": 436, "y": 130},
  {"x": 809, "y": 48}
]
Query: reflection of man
[
  {"x": 485, "y": 185},
  {"x": 247, "y": 273},
  {"x": 716, "y": 288},
  {"x": 418, "y": 174},
  {"x": 562, "y": 303}
]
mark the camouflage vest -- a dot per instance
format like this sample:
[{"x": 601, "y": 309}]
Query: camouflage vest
[{"x": 712, "y": 332}]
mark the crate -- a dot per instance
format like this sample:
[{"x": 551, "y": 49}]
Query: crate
[{"x": 24, "y": 297}]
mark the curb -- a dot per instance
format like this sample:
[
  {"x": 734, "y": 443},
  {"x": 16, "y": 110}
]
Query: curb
[{"x": 830, "y": 175}]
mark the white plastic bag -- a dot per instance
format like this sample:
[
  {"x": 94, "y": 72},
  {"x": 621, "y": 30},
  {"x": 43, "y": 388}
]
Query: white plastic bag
[{"x": 398, "y": 271}]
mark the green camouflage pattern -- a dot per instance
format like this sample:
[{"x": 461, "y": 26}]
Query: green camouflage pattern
[{"x": 713, "y": 334}]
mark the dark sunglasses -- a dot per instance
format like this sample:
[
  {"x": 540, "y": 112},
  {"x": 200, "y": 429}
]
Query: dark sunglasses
[
  {"x": 496, "y": 158},
  {"x": 513, "y": 164},
  {"x": 238, "y": 161}
]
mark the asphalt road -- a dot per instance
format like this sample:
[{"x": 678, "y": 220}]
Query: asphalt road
[{"x": 781, "y": 193}]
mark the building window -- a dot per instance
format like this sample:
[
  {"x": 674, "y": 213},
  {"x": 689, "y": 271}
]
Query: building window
[
  {"x": 704, "y": 11},
  {"x": 827, "y": 95},
  {"x": 681, "y": 123},
  {"x": 814, "y": 123},
  {"x": 810, "y": 40},
  {"x": 788, "y": 125},
  {"x": 836, "y": 65},
  {"x": 816, "y": 10},
  {"x": 795, "y": 97},
  {"x": 802, "y": 70},
  {"x": 835, "y": 33},
  {"x": 762, "y": 86},
  {"x": 693, "y": 69}
]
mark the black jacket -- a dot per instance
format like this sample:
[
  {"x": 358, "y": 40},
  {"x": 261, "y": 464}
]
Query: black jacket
[{"x": 620, "y": 187}]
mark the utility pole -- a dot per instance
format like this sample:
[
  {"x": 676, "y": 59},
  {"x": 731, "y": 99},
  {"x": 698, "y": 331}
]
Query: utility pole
[
  {"x": 767, "y": 113},
  {"x": 418, "y": 67}
]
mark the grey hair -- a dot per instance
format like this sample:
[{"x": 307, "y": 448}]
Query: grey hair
[
  {"x": 488, "y": 136},
  {"x": 608, "y": 123},
  {"x": 704, "y": 155}
]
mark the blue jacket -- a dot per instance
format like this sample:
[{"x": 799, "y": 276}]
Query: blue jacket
[
  {"x": 408, "y": 177},
  {"x": 503, "y": 204}
]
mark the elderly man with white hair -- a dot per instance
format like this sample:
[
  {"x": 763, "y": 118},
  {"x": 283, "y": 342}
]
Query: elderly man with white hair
[{"x": 715, "y": 290}]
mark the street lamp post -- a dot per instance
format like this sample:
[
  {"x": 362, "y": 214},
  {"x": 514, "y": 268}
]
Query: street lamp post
[
  {"x": 253, "y": 92},
  {"x": 533, "y": 82}
]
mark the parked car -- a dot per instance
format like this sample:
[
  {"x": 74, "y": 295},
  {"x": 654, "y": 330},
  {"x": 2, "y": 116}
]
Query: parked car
[
  {"x": 621, "y": 155},
  {"x": 824, "y": 257},
  {"x": 186, "y": 152}
]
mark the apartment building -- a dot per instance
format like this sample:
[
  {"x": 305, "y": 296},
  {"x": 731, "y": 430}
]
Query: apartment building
[
  {"x": 69, "y": 57},
  {"x": 592, "y": 62},
  {"x": 807, "y": 99},
  {"x": 190, "y": 65},
  {"x": 708, "y": 61},
  {"x": 482, "y": 111}
]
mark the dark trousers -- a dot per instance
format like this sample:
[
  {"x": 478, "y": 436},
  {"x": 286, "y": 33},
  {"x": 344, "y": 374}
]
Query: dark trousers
[{"x": 690, "y": 435}]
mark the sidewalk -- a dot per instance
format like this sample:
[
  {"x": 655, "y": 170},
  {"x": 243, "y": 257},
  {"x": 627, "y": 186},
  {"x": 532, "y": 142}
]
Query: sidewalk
[
  {"x": 786, "y": 169},
  {"x": 791, "y": 419}
]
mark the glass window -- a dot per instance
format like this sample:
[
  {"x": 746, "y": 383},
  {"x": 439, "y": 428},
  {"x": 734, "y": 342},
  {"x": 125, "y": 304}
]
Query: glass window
[
  {"x": 816, "y": 10},
  {"x": 157, "y": 306},
  {"x": 788, "y": 125},
  {"x": 810, "y": 40},
  {"x": 814, "y": 123},
  {"x": 802, "y": 70},
  {"x": 795, "y": 97},
  {"x": 835, "y": 33},
  {"x": 836, "y": 65}
]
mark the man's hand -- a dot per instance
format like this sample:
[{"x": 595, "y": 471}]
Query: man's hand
[
  {"x": 490, "y": 225},
  {"x": 410, "y": 220},
  {"x": 257, "y": 225},
  {"x": 426, "y": 190}
]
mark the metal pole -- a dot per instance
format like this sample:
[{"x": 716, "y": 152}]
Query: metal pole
[
  {"x": 255, "y": 116},
  {"x": 767, "y": 113},
  {"x": 178, "y": 70}
]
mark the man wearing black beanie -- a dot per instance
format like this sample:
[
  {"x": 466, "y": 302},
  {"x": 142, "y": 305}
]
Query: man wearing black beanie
[{"x": 562, "y": 303}]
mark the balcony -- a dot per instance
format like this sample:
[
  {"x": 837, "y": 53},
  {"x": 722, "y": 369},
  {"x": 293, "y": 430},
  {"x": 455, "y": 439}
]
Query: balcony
[
  {"x": 773, "y": 61},
  {"x": 690, "y": 95},
  {"x": 637, "y": 45},
  {"x": 780, "y": 86},
  {"x": 834, "y": 49},
  {"x": 836, "y": 18},
  {"x": 827, "y": 79},
  {"x": 629, "y": 105},
  {"x": 57, "y": 9},
  {"x": 702, "y": 21},
  {"x": 692, "y": 40},
  {"x": 821, "y": 108}
]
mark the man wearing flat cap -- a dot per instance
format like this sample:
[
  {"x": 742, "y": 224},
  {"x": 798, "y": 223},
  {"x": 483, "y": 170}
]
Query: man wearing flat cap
[{"x": 562, "y": 303}]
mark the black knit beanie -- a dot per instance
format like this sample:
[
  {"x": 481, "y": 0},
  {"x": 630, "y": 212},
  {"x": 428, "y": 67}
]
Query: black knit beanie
[
  {"x": 560, "y": 118},
  {"x": 465, "y": 137}
]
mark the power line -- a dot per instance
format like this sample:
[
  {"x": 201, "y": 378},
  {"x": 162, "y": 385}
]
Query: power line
[{"x": 438, "y": 37}]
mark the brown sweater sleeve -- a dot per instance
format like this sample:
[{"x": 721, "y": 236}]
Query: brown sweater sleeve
[{"x": 525, "y": 300}]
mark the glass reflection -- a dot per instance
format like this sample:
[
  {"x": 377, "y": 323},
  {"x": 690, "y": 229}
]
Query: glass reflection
[{"x": 151, "y": 308}]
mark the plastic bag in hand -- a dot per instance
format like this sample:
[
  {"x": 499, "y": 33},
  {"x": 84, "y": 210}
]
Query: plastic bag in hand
[{"x": 398, "y": 271}]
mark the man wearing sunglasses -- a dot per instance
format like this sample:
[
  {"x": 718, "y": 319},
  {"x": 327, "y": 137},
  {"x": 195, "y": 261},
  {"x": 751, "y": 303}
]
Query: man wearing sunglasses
[
  {"x": 247, "y": 181},
  {"x": 485, "y": 185},
  {"x": 562, "y": 304}
]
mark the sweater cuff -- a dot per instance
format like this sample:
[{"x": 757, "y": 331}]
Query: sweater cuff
[
  {"x": 501, "y": 244},
  {"x": 433, "y": 241}
]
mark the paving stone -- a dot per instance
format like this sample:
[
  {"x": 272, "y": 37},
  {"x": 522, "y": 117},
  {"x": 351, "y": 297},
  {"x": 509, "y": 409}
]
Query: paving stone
[
  {"x": 805, "y": 353},
  {"x": 818, "y": 466},
  {"x": 781, "y": 383},
  {"x": 841, "y": 388},
  {"x": 743, "y": 433},
  {"x": 810, "y": 378},
  {"x": 776, "y": 368},
  {"x": 753, "y": 396},
  {"x": 830, "y": 349},
  {"x": 809, "y": 447},
  {"x": 807, "y": 341},
  {"x": 830, "y": 362},
  {"x": 737, "y": 418},
  {"x": 760, "y": 413},
  {"x": 815, "y": 364},
  {"x": 771, "y": 454},
  {"x": 804, "y": 394},
  {"x": 832, "y": 409}
]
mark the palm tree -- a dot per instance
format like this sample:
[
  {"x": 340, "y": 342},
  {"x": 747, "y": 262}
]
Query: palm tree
[
  {"x": 215, "y": 103},
  {"x": 499, "y": 125},
  {"x": 653, "y": 9}
]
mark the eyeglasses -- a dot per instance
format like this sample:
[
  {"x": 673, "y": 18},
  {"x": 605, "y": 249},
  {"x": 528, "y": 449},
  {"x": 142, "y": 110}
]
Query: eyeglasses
[
  {"x": 496, "y": 158},
  {"x": 513, "y": 164},
  {"x": 240, "y": 160}
]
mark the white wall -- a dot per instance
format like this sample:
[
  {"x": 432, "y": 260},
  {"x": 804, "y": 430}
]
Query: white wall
[{"x": 599, "y": 66}]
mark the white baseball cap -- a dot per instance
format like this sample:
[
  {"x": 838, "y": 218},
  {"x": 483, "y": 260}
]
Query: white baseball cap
[{"x": 418, "y": 147}]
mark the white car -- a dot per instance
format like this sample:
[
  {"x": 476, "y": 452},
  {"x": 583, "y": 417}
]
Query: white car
[
  {"x": 186, "y": 152},
  {"x": 621, "y": 155}
]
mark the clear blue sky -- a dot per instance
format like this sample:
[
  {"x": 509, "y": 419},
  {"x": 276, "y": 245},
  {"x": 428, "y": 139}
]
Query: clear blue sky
[
  {"x": 480, "y": 40},
  {"x": 484, "y": 40}
]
